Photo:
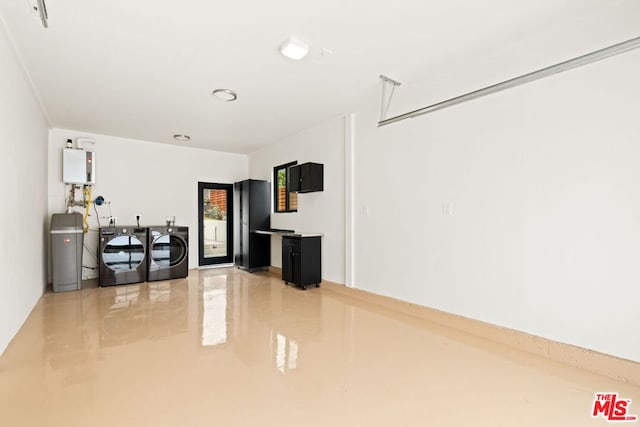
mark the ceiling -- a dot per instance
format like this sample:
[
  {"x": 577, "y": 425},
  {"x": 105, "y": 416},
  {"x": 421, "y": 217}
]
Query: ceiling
[{"x": 145, "y": 69}]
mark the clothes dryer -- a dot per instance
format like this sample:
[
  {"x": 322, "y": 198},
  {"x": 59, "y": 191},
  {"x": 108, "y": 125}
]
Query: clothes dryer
[
  {"x": 168, "y": 252},
  {"x": 122, "y": 255}
]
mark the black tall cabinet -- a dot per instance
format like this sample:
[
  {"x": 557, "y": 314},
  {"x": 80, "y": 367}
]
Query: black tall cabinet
[{"x": 254, "y": 203}]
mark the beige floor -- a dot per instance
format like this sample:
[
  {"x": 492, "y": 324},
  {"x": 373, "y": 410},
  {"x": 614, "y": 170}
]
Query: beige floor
[{"x": 228, "y": 348}]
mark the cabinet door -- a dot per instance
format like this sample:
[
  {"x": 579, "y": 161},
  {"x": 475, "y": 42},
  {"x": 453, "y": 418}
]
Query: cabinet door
[
  {"x": 260, "y": 205},
  {"x": 244, "y": 224},
  {"x": 311, "y": 177},
  {"x": 293, "y": 178},
  {"x": 296, "y": 266},
  {"x": 287, "y": 260},
  {"x": 311, "y": 263}
]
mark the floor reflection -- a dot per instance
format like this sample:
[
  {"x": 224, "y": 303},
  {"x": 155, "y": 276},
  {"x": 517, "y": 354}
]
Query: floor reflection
[
  {"x": 285, "y": 352},
  {"x": 144, "y": 311},
  {"x": 67, "y": 330},
  {"x": 214, "y": 310}
]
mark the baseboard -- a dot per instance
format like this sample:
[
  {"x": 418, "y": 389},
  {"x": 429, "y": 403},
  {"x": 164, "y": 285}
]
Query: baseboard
[
  {"x": 275, "y": 271},
  {"x": 599, "y": 363}
]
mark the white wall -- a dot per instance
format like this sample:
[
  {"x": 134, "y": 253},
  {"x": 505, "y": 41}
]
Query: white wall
[
  {"x": 145, "y": 178},
  {"x": 23, "y": 173},
  {"x": 543, "y": 181},
  {"x": 319, "y": 211}
]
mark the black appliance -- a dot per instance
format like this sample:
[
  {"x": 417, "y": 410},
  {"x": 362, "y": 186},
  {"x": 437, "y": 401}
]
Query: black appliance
[
  {"x": 168, "y": 252},
  {"x": 301, "y": 260},
  {"x": 253, "y": 251},
  {"x": 306, "y": 177},
  {"x": 122, "y": 255}
]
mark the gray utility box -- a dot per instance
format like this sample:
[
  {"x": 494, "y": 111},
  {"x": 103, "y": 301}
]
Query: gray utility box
[
  {"x": 66, "y": 251},
  {"x": 78, "y": 166}
]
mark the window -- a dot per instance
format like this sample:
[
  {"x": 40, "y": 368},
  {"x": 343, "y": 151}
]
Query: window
[{"x": 283, "y": 199}]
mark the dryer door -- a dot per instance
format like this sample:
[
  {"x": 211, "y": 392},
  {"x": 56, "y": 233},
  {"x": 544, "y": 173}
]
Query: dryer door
[
  {"x": 123, "y": 253},
  {"x": 168, "y": 250}
]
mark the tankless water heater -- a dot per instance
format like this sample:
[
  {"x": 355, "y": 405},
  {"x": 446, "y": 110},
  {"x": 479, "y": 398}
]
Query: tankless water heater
[{"x": 78, "y": 166}]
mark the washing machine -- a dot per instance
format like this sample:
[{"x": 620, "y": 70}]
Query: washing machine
[
  {"x": 122, "y": 254},
  {"x": 168, "y": 252}
]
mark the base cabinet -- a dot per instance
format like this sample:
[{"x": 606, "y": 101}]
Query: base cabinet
[{"x": 301, "y": 261}]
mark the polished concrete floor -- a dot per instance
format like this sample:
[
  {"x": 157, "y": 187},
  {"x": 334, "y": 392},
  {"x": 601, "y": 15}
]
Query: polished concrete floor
[{"x": 228, "y": 348}]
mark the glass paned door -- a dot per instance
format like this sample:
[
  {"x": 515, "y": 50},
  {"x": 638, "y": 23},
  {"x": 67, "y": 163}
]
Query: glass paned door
[{"x": 215, "y": 221}]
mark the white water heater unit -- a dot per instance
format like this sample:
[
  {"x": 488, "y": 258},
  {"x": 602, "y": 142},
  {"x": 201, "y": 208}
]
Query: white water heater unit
[{"x": 78, "y": 166}]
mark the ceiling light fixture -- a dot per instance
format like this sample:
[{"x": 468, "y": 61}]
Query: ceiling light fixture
[
  {"x": 225, "y": 94},
  {"x": 294, "y": 48},
  {"x": 182, "y": 138}
]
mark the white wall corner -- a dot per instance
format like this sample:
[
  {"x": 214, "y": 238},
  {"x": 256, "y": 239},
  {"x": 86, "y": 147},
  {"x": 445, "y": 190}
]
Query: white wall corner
[
  {"x": 349, "y": 135},
  {"x": 25, "y": 70}
]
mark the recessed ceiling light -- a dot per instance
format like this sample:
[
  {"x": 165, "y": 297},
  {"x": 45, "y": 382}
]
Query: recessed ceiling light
[
  {"x": 294, "y": 48},
  {"x": 180, "y": 137},
  {"x": 225, "y": 94}
]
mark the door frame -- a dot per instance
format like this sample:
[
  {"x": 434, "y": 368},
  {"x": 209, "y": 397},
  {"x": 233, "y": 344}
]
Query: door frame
[{"x": 202, "y": 260}]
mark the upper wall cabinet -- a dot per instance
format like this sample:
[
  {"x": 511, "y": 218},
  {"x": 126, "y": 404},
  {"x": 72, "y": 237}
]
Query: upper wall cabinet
[{"x": 306, "y": 177}]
